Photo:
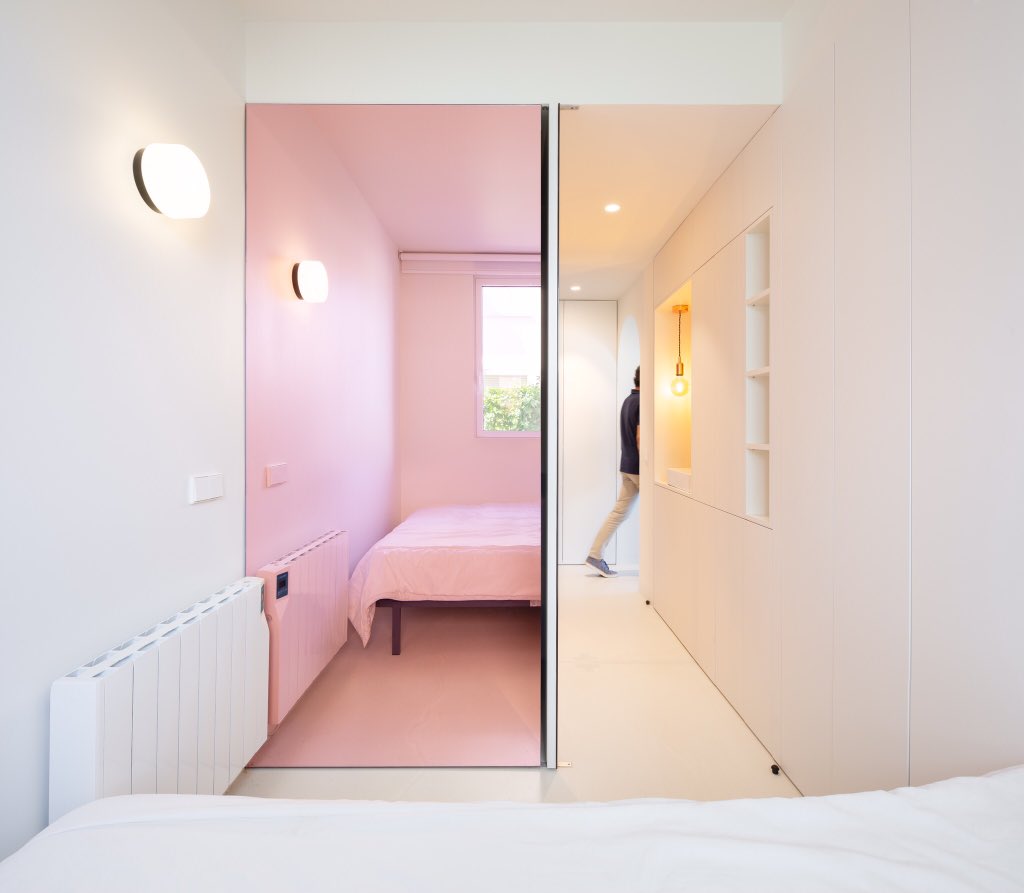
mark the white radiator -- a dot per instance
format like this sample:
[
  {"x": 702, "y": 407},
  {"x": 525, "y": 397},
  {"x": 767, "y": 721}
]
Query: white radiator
[
  {"x": 180, "y": 708},
  {"x": 307, "y": 612}
]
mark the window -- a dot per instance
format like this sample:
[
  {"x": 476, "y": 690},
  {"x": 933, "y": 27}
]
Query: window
[{"x": 508, "y": 373}]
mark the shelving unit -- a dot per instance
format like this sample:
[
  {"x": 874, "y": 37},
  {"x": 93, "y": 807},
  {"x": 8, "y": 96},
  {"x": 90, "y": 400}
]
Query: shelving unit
[{"x": 757, "y": 299}]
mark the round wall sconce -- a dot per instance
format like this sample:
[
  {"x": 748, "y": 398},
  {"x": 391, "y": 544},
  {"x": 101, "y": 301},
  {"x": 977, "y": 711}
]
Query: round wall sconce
[
  {"x": 680, "y": 386},
  {"x": 309, "y": 279},
  {"x": 172, "y": 181}
]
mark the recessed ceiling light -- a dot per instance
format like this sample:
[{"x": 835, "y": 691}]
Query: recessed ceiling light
[
  {"x": 574, "y": 287},
  {"x": 613, "y": 208}
]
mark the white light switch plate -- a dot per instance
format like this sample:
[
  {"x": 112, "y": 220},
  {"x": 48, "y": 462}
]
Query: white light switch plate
[
  {"x": 277, "y": 474},
  {"x": 203, "y": 487}
]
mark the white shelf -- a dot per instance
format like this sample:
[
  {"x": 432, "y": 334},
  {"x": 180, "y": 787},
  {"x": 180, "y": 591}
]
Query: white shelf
[{"x": 757, "y": 455}]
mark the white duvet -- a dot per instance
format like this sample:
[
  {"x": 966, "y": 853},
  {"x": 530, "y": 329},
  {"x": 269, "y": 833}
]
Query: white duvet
[{"x": 966, "y": 834}]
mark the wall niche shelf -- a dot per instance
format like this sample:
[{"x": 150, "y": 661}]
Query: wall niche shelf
[
  {"x": 673, "y": 414},
  {"x": 757, "y": 300}
]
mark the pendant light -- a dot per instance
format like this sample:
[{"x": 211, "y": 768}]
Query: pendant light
[{"x": 680, "y": 386}]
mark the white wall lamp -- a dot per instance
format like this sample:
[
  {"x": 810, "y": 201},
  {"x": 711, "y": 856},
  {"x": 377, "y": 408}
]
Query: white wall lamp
[
  {"x": 172, "y": 181},
  {"x": 680, "y": 386},
  {"x": 309, "y": 279}
]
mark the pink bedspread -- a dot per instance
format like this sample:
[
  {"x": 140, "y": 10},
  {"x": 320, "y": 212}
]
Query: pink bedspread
[{"x": 451, "y": 553}]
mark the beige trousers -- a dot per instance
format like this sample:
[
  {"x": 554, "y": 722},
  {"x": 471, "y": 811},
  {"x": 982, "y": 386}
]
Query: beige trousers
[{"x": 628, "y": 493}]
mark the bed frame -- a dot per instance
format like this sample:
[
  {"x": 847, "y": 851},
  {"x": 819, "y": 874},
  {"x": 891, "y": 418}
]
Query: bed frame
[{"x": 396, "y": 611}]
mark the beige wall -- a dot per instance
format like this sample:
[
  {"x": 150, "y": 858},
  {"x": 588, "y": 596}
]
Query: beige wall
[{"x": 442, "y": 459}]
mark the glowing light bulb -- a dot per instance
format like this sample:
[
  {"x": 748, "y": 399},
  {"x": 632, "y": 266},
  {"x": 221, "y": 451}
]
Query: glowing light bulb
[{"x": 680, "y": 386}]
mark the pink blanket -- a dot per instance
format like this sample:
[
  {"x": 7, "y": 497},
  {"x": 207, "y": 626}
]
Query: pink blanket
[{"x": 451, "y": 553}]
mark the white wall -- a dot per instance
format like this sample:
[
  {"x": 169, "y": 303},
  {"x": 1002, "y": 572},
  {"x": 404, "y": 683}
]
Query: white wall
[
  {"x": 120, "y": 348},
  {"x": 513, "y": 62},
  {"x": 588, "y": 431},
  {"x": 968, "y": 483},
  {"x": 631, "y": 307}
]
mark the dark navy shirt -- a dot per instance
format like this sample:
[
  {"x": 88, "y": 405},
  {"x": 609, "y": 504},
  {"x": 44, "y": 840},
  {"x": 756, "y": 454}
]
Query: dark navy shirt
[{"x": 629, "y": 421}]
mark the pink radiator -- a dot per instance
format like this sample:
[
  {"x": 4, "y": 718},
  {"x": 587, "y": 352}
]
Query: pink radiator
[{"x": 306, "y": 597}]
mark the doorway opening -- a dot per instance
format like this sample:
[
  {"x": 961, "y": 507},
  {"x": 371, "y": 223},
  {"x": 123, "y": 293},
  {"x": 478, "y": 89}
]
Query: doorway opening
[
  {"x": 654, "y": 205},
  {"x": 405, "y": 412}
]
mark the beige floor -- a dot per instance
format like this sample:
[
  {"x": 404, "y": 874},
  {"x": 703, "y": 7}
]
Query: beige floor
[{"x": 636, "y": 717}]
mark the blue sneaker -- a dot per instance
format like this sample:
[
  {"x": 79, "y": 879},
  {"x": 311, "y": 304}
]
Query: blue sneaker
[{"x": 601, "y": 566}]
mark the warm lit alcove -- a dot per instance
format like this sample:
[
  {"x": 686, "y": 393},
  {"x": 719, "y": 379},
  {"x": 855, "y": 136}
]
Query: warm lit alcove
[{"x": 673, "y": 413}]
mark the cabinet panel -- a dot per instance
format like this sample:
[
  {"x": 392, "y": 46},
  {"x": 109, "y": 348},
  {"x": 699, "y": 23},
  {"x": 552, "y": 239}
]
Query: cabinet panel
[
  {"x": 872, "y": 589},
  {"x": 718, "y": 396},
  {"x": 709, "y": 543},
  {"x": 727, "y": 569},
  {"x": 759, "y": 636},
  {"x": 803, "y": 507},
  {"x": 703, "y": 436},
  {"x": 674, "y": 571}
]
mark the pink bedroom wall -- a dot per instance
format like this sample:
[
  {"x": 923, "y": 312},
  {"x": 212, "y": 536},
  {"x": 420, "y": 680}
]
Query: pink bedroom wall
[
  {"x": 442, "y": 459},
  {"x": 320, "y": 378}
]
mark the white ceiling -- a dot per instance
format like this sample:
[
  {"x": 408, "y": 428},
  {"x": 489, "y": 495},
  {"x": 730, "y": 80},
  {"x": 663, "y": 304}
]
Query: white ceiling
[
  {"x": 462, "y": 179},
  {"x": 466, "y": 179},
  {"x": 518, "y": 11},
  {"x": 654, "y": 161},
  {"x": 477, "y": 184}
]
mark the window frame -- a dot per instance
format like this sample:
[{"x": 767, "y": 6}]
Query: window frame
[{"x": 479, "y": 283}]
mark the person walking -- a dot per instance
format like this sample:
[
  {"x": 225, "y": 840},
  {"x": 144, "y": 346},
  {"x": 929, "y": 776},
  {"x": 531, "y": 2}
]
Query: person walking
[{"x": 629, "y": 470}]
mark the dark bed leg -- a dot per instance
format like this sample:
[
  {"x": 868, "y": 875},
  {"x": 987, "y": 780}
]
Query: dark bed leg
[{"x": 396, "y": 629}]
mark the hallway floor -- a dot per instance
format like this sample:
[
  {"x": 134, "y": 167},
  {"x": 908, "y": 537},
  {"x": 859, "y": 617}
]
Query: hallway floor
[{"x": 637, "y": 718}]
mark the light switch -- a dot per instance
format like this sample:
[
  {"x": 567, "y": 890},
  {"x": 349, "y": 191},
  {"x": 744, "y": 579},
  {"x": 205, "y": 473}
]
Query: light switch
[
  {"x": 203, "y": 487},
  {"x": 277, "y": 474}
]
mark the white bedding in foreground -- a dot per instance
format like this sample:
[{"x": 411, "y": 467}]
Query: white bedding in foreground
[{"x": 958, "y": 835}]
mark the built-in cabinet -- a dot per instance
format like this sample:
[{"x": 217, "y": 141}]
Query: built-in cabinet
[
  {"x": 717, "y": 589},
  {"x": 715, "y": 581}
]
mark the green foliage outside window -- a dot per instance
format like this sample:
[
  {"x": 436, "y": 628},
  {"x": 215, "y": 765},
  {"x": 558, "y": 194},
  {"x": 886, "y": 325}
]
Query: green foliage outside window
[{"x": 512, "y": 409}]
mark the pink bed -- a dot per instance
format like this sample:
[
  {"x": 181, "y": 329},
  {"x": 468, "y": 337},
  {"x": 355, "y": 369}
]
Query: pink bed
[{"x": 451, "y": 554}]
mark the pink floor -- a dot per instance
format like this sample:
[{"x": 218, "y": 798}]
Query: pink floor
[{"x": 464, "y": 692}]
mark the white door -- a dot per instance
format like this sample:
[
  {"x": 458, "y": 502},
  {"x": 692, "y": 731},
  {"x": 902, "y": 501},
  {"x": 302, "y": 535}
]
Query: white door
[{"x": 588, "y": 426}]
